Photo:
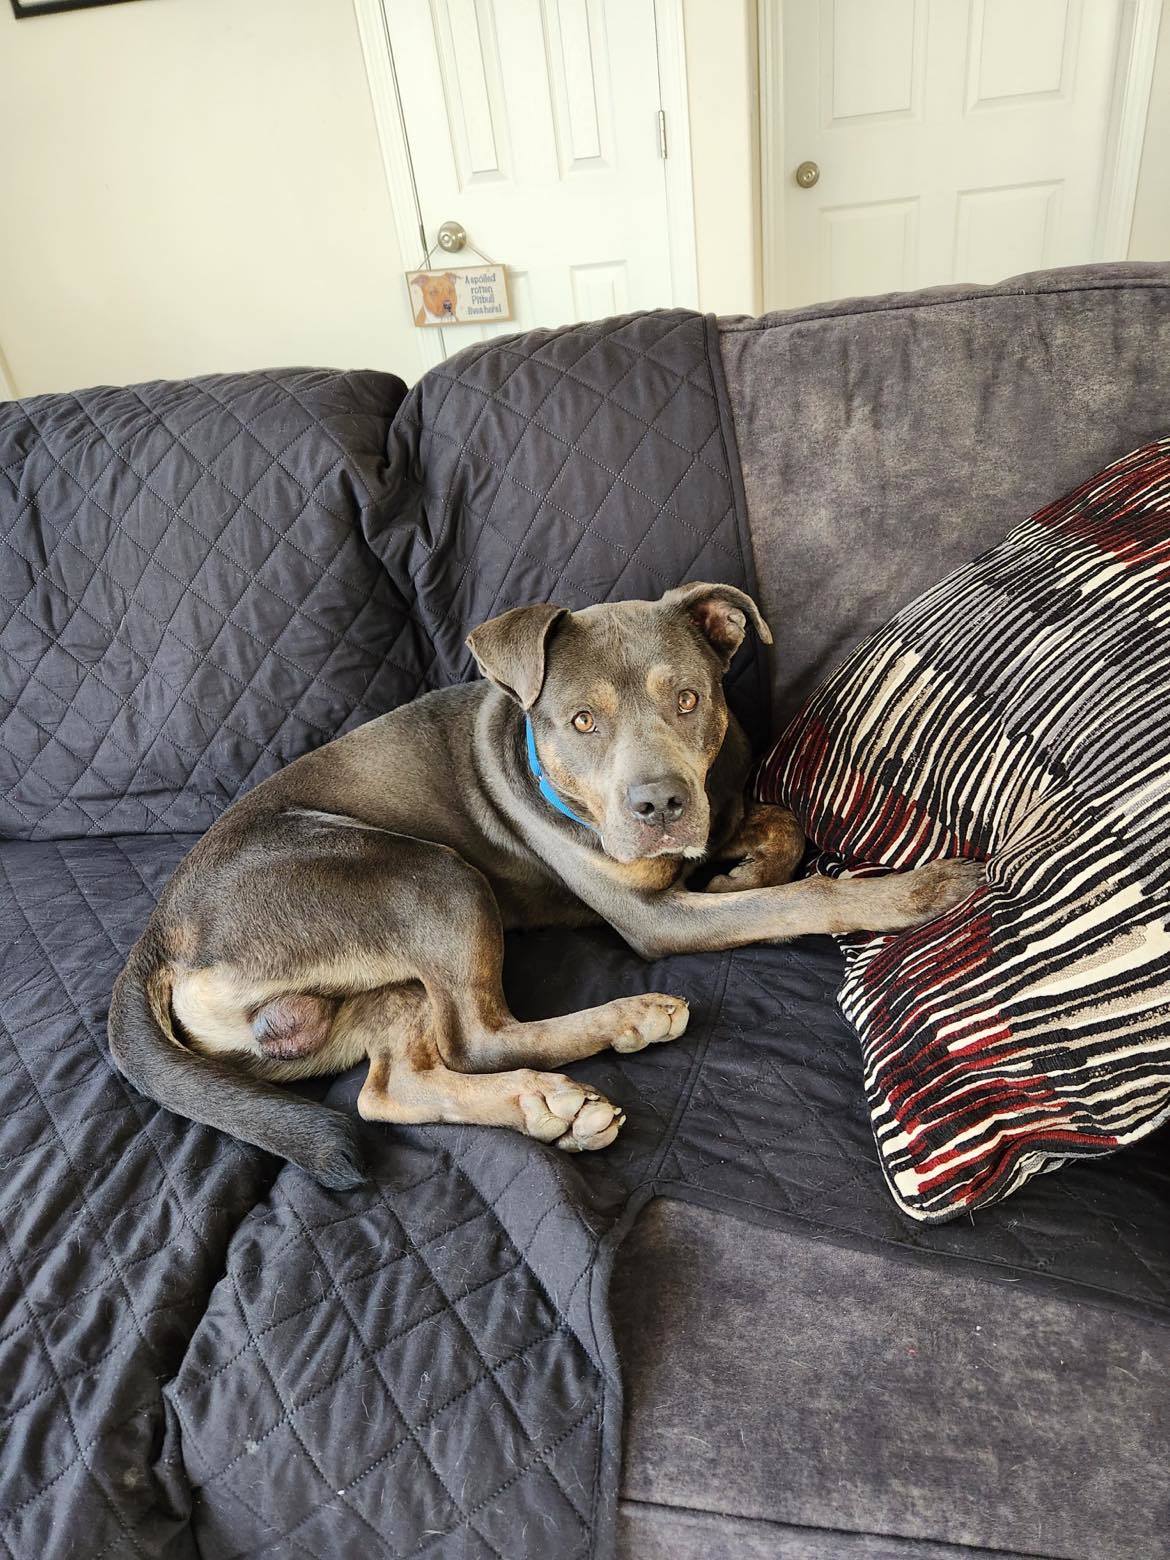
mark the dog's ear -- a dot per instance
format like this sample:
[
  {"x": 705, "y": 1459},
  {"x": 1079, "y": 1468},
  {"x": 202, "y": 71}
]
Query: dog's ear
[
  {"x": 510, "y": 649},
  {"x": 720, "y": 613}
]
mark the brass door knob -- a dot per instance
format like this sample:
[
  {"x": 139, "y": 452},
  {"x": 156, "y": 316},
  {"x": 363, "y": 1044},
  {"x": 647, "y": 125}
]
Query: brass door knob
[{"x": 807, "y": 175}]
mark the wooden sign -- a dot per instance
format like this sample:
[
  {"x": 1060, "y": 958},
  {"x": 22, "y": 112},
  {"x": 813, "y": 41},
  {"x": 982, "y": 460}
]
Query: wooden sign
[{"x": 469, "y": 295}]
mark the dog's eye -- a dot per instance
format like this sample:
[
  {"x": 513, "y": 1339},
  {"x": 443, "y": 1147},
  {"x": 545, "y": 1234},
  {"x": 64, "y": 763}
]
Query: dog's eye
[
  {"x": 688, "y": 701},
  {"x": 583, "y": 720}
]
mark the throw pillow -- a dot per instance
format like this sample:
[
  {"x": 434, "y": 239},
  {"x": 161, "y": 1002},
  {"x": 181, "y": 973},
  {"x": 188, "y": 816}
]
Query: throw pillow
[{"x": 1019, "y": 712}]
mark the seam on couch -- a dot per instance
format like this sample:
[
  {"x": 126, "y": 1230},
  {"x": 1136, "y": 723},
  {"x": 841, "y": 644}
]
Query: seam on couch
[
  {"x": 1075, "y": 1291},
  {"x": 743, "y": 530},
  {"x": 991, "y": 295},
  {"x": 909, "y": 1540}
]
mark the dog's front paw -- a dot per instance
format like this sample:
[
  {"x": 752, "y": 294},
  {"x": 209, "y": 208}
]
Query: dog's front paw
[
  {"x": 568, "y": 1116},
  {"x": 932, "y": 890},
  {"x": 650, "y": 1020},
  {"x": 769, "y": 846}
]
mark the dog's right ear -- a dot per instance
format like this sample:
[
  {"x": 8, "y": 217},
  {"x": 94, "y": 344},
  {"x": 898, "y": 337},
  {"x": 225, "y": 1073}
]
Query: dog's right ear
[{"x": 510, "y": 649}]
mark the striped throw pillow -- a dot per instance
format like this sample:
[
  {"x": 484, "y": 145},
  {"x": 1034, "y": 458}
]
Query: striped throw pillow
[{"x": 1018, "y": 712}]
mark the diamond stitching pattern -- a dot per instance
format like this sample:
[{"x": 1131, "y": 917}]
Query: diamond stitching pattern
[
  {"x": 152, "y": 663},
  {"x": 201, "y": 581}
]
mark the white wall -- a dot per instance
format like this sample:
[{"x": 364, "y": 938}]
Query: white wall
[
  {"x": 188, "y": 186},
  {"x": 195, "y": 185}
]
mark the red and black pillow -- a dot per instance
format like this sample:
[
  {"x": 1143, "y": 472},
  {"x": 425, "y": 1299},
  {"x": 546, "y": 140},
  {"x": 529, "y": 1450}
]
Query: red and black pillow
[{"x": 1018, "y": 712}]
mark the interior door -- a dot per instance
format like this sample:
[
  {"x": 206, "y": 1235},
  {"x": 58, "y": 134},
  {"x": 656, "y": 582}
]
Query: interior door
[
  {"x": 535, "y": 124},
  {"x": 953, "y": 140}
]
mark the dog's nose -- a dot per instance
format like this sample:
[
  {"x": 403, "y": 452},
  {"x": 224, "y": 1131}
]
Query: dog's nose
[{"x": 658, "y": 801}]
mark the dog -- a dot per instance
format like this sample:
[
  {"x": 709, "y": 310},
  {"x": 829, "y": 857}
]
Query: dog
[
  {"x": 438, "y": 296},
  {"x": 354, "y": 904}
]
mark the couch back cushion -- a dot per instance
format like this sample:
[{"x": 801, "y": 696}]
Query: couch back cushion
[
  {"x": 188, "y": 602},
  {"x": 887, "y": 441},
  {"x": 203, "y": 580}
]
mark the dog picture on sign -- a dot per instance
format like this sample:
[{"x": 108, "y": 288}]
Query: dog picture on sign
[{"x": 471, "y": 295}]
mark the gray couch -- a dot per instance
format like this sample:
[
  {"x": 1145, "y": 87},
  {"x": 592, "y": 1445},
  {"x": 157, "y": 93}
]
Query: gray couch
[
  {"x": 815, "y": 1388},
  {"x": 204, "y": 1353}
]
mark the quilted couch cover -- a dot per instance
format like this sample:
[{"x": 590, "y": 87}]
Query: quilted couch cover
[{"x": 203, "y": 1352}]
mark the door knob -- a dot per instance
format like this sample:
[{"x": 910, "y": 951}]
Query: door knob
[
  {"x": 807, "y": 175},
  {"x": 453, "y": 236}
]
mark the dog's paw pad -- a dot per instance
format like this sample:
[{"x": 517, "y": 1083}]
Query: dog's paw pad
[
  {"x": 651, "y": 1020},
  {"x": 565, "y": 1103},
  {"x": 570, "y": 1117}
]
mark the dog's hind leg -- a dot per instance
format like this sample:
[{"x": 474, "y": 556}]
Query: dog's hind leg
[
  {"x": 477, "y": 1031},
  {"x": 547, "y": 1106},
  {"x": 343, "y": 941},
  {"x": 394, "y": 909},
  {"x": 408, "y": 1082}
]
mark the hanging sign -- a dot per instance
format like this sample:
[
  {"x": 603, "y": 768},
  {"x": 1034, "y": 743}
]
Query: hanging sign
[{"x": 469, "y": 295}]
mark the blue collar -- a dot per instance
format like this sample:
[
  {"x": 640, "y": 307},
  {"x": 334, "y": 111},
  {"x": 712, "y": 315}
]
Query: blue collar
[{"x": 544, "y": 784}]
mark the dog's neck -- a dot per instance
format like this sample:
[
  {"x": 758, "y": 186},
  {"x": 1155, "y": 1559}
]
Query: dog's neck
[{"x": 543, "y": 784}]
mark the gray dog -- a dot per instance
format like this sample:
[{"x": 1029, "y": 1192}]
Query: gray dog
[{"x": 354, "y": 904}]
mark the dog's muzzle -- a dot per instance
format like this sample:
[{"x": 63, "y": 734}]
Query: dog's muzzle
[{"x": 658, "y": 818}]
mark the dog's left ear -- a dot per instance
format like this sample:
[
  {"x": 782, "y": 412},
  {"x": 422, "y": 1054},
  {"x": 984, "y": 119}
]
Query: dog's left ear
[
  {"x": 510, "y": 649},
  {"x": 721, "y": 613}
]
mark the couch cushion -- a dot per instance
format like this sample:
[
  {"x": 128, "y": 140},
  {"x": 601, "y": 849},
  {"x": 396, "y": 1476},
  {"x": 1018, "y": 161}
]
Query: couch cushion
[
  {"x": 115, "y": 1217},
  {"x": 205, "y": 1353},
  {"x": 193, "y": 1329},
  {"x": 886, "y": 441},
  {"x": 1016, "y": 713},
  {"x": 775, "y": 1126},
  {"x": 789, "y": 1395},
  {"x": 188, "y": 602}
]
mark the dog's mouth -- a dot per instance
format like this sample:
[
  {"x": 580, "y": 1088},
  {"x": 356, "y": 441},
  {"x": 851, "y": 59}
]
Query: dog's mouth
[{"x": 642, "y": 842}]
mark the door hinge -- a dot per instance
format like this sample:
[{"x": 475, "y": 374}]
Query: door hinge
[{"x": 662, "y": 152}]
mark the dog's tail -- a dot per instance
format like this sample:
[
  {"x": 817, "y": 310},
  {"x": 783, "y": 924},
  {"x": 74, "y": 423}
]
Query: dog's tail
[{"x": 146, "y": 1049}]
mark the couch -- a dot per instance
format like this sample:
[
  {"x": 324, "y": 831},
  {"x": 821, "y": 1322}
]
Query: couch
[{"x": 720, "y": 1338}]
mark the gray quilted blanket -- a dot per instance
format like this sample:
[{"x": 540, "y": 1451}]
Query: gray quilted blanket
[{"x": 201, "y": 1351}]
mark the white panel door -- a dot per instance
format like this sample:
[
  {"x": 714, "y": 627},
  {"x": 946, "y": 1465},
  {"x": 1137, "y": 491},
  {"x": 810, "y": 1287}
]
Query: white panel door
[
  {"x": 957, "y": 140},
  {"x": 535, "y": 124}
]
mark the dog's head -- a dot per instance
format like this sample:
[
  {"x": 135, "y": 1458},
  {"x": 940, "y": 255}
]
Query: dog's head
[
  {"x": 438, "y": 293},
  {"x": 627, "y": 707}
]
